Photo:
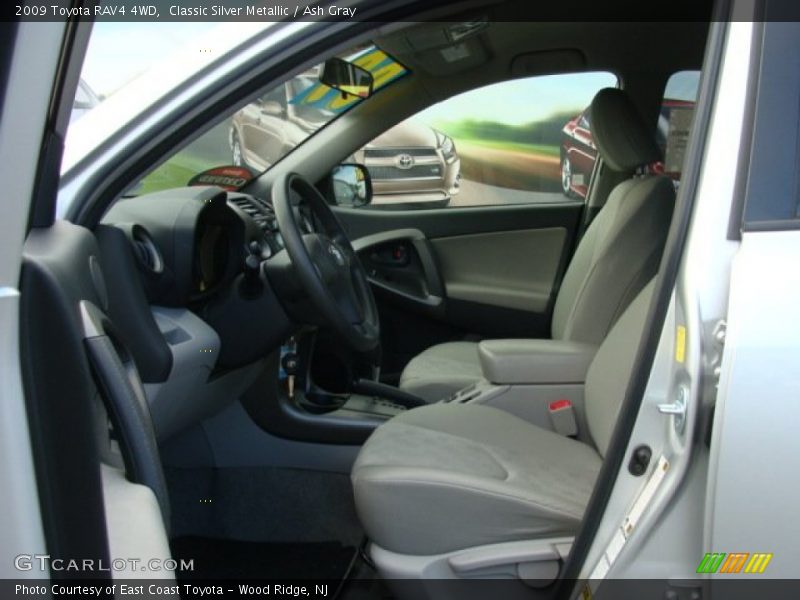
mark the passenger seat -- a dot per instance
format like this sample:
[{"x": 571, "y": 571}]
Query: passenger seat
[{"x": 619, "y": 253}]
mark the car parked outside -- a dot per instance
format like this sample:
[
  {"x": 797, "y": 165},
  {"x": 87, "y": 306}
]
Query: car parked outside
[
  {"x": 579, "y": 153},
  {"x": 412, "y": 162}
]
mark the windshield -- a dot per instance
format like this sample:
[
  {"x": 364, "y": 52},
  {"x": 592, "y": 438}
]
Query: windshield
[
  {"x": 130, "y": 66},
  {"x": 261, "y": 133}
]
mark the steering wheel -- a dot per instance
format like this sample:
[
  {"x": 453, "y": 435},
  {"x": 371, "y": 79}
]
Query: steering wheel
[{"x": 326, "y": 265}]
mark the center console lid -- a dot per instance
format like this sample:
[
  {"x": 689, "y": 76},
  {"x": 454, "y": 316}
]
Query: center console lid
[{"x": 507, "y": 362}]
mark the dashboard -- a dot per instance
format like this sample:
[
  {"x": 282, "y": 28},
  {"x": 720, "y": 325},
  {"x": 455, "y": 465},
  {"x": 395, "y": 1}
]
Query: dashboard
[
  {"x": 181, "y": 297},
  {"x": 218, "y": 250},
  {"x": 186, "y": 249},
  {"x": 190, "y": 241}
]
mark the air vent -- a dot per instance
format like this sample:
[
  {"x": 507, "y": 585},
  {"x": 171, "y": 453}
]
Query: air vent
[
  {"x": 260, "y": 211},
  {"x": 146, "y": 251}
]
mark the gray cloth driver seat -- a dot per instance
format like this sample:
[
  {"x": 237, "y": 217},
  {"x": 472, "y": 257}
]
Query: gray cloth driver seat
[
  {"x": 451, "y": 476},
  {"x": 617, "y": 255}
]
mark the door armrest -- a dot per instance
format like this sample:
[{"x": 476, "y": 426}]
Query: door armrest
[{"x": 508, "y": 362}]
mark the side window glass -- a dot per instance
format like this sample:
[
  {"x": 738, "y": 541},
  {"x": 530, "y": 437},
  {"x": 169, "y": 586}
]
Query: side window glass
[
  {"x": 521, "y": 141},
  {"x": 772, "y": 198}
]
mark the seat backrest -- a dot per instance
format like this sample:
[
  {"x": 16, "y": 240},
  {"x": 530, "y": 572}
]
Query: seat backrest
[
  {"x": 608, "y": 375},
  {"x": 621, "y": 250}
]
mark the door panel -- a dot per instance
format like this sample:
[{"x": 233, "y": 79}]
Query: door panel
[
  {"x": 510, "y": 269},
  {"x": 444, "y": 222},
  {"x": 401, "y": 263},
  {"x": 455, "y": 273}
]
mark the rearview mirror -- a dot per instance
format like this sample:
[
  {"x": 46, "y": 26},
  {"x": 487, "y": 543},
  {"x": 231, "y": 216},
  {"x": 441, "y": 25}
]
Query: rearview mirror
[
  {"x": 351, "y": 185},
  {"x": 346, "y": 77}
]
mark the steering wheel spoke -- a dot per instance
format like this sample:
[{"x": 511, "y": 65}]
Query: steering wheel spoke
[
  {"x": 325, "y": 263},
  {"x": 347, "y": 300}
]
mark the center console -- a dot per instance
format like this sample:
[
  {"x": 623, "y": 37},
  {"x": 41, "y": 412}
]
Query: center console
[
  {"x": 541, "y": 381},
  {"x": 286, "y": 402}
]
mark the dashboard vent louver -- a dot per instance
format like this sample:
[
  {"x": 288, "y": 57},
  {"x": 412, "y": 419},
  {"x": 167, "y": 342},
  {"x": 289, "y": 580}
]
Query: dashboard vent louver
[
  {"x": 145, "y": 249},
  {"x": 144, "y": 254},
  {"x": 260, "y": 211}
]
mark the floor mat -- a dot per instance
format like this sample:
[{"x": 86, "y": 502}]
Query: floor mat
[
  {"x": 268, "y": 504},
  {"x": 232, "y": 559}
]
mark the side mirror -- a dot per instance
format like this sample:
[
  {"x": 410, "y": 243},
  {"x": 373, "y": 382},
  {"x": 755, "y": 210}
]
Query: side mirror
[
  {"x": 271, "y": 107},
  {"x": 347, "y": 77},
  {"x": 351, "y": 185}
]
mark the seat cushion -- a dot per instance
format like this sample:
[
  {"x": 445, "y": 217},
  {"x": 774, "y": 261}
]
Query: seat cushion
[
  {"x": 442, "y": 370},
  {"x": 451, "y": 476}
]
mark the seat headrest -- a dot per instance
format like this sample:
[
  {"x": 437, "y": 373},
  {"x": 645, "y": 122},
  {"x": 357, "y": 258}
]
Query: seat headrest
[{"x": 620, "y": 133}]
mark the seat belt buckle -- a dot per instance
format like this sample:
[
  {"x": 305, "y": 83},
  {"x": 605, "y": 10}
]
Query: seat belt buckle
[{"x": 562, "y": 416}]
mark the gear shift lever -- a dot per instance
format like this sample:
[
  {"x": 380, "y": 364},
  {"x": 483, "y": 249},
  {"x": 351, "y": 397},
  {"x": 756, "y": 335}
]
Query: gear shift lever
[{"x": 375, "y": 388}]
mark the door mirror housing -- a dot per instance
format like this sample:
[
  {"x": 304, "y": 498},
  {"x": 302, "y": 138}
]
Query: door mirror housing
[
  {"x": 347, "y": 77},
  {"x": 351, "y": 185}
]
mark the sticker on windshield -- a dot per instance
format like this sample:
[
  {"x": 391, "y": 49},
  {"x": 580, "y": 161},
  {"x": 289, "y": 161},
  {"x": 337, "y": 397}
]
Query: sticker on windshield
[
  {"x": 229, "y": 178},
  {"x": 384, "y": 70},
  {"x": 680, "y": 125}
]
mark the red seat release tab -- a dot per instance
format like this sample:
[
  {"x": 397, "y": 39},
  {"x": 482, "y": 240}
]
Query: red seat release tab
[{"x": 562, "y": 415}]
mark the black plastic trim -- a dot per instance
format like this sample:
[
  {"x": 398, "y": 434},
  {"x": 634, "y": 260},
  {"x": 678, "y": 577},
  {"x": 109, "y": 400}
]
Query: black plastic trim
[
  {"x": 736, "y": 219},
  {"x": 45, "y": 194},
  {"x": 778, "y": 225},
  {"x": 126, "y": 404},
  {"x": 128, "y": 307},
  {"x": 59, "y": 393},
  {"x": 8, "y": 35},
  {"x": 268, "y": 405},
  {"x": 382, "y": 390},
  {"x": 445, "y": 222}
]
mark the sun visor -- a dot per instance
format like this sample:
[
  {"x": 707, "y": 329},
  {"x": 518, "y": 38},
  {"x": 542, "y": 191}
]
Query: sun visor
[{"x": 544, "y": 63}]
